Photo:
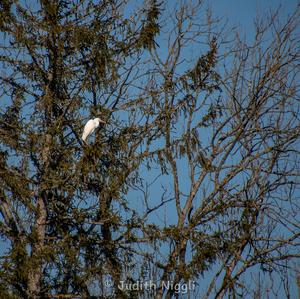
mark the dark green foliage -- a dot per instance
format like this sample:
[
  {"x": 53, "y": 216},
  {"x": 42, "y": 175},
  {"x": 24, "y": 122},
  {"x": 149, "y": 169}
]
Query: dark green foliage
[
  {"x": 150, "y": 27},
  {"x": 203, "y": 76}
]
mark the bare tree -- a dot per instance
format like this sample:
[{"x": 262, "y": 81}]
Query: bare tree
[{"x": 229, "y": 130}]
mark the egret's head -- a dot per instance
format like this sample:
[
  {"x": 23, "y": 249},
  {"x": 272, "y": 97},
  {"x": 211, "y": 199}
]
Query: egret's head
[{"x": 99, "y": 121}]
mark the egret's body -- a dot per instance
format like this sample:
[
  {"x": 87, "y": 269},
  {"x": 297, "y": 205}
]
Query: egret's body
[{"x": 90, "y": 127}]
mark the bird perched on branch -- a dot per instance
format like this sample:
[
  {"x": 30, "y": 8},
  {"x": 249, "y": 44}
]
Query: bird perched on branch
[{"x": 90, "y": 127}]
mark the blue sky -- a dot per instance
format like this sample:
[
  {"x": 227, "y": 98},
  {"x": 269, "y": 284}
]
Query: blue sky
[{"x": 242, "y": 12}]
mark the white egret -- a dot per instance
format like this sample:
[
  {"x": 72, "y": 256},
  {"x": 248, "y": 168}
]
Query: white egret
[{"x": 90, "y": 127}]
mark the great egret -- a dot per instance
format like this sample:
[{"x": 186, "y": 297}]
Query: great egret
[{"x": 90, "y": 127}]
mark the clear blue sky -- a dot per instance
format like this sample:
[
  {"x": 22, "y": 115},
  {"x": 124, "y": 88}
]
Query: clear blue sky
[{"x": 242, "y": 12}]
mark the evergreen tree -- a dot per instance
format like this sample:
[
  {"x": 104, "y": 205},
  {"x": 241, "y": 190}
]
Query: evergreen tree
[{"x": 58, "y": 57}]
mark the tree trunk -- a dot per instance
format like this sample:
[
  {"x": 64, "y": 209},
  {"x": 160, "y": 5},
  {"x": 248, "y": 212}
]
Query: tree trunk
[
  {"x": 35, "y": 272},
  {"x": 36, "y": 269}
]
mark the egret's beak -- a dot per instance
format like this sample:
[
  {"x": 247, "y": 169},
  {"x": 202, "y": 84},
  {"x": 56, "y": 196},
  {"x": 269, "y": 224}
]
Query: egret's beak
[{"x": 102, "y": 121}]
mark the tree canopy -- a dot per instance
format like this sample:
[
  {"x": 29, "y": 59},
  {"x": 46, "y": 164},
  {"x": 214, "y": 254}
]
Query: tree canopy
[{"x": 193, "y": 183}]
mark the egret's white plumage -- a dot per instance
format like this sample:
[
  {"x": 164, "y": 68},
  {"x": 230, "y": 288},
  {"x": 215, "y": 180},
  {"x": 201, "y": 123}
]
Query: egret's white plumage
[{"x": 90, "y": 127}]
